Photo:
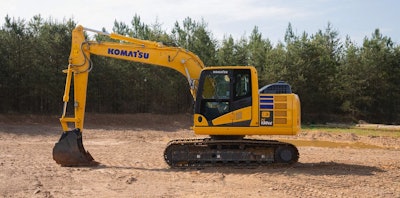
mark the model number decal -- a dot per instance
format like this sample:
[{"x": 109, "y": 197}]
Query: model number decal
[{"x": 220, "y": 72}]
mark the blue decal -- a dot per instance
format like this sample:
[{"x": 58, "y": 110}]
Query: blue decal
[
  {"x": 269, "y": 106},
  {"x": 266, "y": 101}
]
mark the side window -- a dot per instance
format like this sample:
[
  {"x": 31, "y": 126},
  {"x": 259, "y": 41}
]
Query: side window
[{"x": 242, "y": 84}]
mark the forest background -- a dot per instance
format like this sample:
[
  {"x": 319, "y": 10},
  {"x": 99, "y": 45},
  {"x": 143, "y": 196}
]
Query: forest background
[{"x": 336, "y": 79}]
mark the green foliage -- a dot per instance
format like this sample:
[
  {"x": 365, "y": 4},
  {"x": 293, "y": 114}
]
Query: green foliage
[
  {"x": 336, "y": 80},
  {"x": 33, "y": 54},
  {"x": 258, "y": 50},
  {"x": 195, "y": 37}
]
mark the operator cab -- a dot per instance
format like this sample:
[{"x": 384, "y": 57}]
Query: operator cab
[{"x": 222, "y": 91}]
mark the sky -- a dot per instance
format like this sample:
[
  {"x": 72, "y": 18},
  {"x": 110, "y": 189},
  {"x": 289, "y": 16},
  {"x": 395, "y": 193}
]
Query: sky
[{"x": 354, "y": 18}]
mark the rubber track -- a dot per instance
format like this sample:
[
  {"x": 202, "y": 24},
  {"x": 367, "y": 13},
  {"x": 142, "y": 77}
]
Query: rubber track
[{"x": 242, "y": 153}]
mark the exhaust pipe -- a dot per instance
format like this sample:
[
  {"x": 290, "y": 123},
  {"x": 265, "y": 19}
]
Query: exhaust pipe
[{"x": 69, "y": 150}]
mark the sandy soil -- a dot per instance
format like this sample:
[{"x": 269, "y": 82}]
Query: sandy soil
[{"x": 130, "y": 150}]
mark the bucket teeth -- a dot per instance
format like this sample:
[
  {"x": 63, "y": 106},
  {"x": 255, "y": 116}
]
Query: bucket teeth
[{"x": 69, "y": 150}]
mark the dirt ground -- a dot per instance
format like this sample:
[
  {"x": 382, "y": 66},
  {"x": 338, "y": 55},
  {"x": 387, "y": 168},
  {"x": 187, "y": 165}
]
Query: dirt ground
[{"x": 130, "y": 150}]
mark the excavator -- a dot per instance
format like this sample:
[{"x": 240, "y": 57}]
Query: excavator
[{"x": 228, "y": 106}]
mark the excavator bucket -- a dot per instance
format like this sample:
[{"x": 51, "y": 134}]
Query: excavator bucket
[{"x": 69, "y": 150}]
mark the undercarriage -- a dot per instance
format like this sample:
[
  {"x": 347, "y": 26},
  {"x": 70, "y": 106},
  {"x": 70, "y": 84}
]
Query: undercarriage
[{"x": 228, "y": 152}]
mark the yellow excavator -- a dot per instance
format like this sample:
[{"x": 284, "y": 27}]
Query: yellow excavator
[{"x": 228, "y": 107}]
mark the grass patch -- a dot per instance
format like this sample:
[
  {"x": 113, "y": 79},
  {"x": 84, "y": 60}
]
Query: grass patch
[{"x": 359, "y": 129}]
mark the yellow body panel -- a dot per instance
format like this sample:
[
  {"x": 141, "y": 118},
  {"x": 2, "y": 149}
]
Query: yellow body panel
[
  {"x": 223, "y": 130},
  {"x": 233, "y": 117},
  {"x": 280, "y": 115}
]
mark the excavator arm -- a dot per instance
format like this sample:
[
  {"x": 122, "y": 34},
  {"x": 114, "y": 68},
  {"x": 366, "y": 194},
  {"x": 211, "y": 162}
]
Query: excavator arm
[{"x": 69, "y": 150}]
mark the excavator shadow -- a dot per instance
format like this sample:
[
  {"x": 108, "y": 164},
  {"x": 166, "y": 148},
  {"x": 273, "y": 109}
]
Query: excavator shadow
[
  {"x": 103, "y": 166},
  {"x": 334, "y": 168},
  {"x": 316, "y": 169},
  {"x": 321, "y": 168}
]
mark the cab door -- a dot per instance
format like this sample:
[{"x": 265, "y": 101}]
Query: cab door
[{"x": 241, "y": 98}]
